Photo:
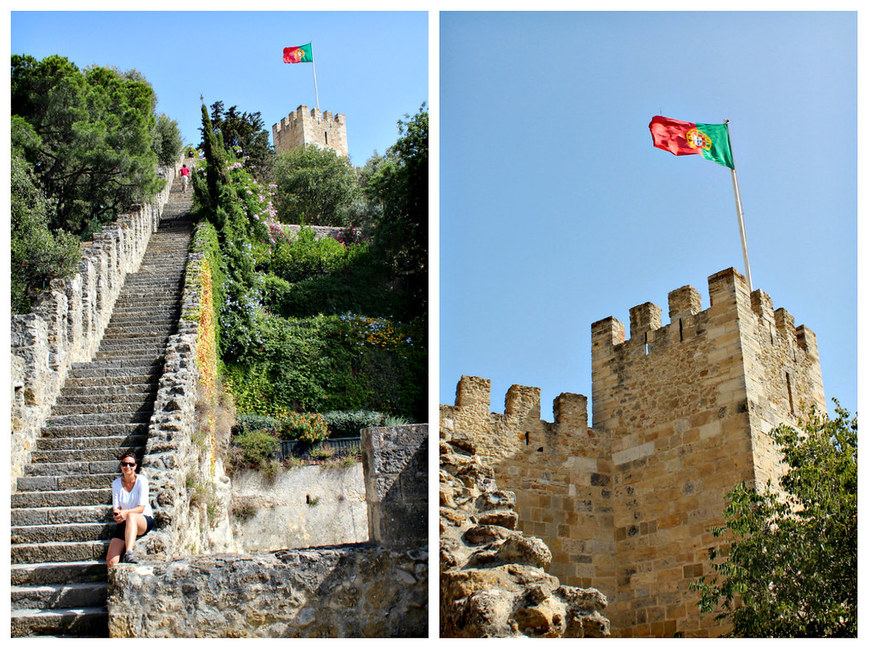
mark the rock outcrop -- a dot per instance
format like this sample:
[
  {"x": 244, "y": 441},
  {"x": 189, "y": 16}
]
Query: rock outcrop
[{"x": 493, "y": 577}]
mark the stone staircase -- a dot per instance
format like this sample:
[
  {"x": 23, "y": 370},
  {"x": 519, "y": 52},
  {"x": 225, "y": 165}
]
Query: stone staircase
[{"x": 61, "y": 511}]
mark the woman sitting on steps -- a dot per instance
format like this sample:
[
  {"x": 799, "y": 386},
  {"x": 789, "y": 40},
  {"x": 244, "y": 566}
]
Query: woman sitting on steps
[{"x": 130, "y": 509}]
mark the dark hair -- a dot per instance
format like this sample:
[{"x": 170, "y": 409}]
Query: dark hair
[{"x": 128, "y": 454}]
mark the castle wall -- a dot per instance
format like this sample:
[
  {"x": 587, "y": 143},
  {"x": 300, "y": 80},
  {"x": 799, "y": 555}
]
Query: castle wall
[
  {"x": 306, "y": 126},
  {"x": 67, "y": 322},
  {"x": 681, "y": 413},
  {"x": 559, "y": 471}
]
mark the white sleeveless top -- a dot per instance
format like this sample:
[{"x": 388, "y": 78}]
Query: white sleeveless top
[{"x": 138, "y": 495}]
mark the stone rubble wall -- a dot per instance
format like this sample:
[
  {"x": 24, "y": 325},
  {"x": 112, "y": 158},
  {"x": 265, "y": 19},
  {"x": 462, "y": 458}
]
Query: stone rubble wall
[
  {"x": 345, "y": 591},
  {"x": 300, "y": 507},
  {"x": 67, "y": 322},
  {"x": 181, "y": 460}
]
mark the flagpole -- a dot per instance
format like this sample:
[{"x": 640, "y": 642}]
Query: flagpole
[
  {"x": 739, "y": 209},
  {"x": 316, "y": 97}
]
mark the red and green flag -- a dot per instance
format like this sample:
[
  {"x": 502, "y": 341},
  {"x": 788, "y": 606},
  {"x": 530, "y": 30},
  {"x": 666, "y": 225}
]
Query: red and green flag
[
  {"x": 689, "y": 138},
  {"x": 301, "y": 54}
]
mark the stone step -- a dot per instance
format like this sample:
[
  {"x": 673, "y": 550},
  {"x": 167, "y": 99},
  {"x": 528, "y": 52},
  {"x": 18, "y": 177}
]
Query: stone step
[
  {"x": 138, "y": 417},
  {"x": 59, "y": 551},
  {"x": 44, "y": 574},
  {"x": 120, "y": 381},
  {"x": 60, "y": 596},
  {"x": 93, "y": 454},
  {"x": 117, "y": 369},
  {"x": 67, "y": 498},
  {"x": 87, "y": 467},
  {"x": 86, "y": 481},
  {"x": 120, "y": 323},
  {"x": 83, "y": 622},
  {"x": 145, "y": 332},
  {"x": 96, "y": 430},
  {"x": 133, "y": 357},
  {"x": 140, "y": 395},
  {"x": 90, "y": 443},
  {"x": 74, "y": 532},
  {"x": 130, "y": 349},
  {"x": 129, "y": 407}
]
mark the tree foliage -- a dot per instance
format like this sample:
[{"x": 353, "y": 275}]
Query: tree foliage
[
  {"x": 398, "y": 187},
  {"x": 38, "y": 254},
  {"x": 92, "y": 151},
  {"x": 314, "y": 186},
  {"x": 245, "y": 134},
  {"x": 167, "y": 140},
  {"x": 790, "y": 569}
]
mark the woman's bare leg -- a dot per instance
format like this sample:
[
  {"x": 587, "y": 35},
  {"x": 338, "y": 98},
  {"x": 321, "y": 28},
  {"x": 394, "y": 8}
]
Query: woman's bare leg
[
  {"x": 116, "y": 549},
  {"x": 136, "y": 526}
]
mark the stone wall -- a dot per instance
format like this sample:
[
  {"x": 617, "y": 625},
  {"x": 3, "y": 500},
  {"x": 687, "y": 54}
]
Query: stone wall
[
  {"x": 559, "y": 471},
  {"x": 395, "y": 465},
  {"x": 681, "y": 414},
  {"x": 495, "y": 579},
  {"x": 300, "y": 507},
  {"x": 358, "y": 590},
  {"x": 67, "y": 322},
  {"x": 346, "y": 591},
  {"x": 306, "y": 126},
  {"x": 185, "y": 473}
]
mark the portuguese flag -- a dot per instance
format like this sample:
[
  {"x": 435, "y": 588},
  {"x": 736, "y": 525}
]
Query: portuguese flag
[
  {"x": 688, "y": 138},
  {"x": 301, "y": 54}
]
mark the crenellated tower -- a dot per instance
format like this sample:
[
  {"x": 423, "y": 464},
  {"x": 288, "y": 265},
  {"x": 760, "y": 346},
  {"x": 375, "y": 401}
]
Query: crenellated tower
[
  {"x": 681, "y": 413},
  {"x": 688, "y": 407},
  {"x": 304, "y": 126}
]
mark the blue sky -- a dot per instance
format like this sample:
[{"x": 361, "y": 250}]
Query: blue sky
[
  {"x": 371, "y": 66},
  {"x": 557, "y": 211}
]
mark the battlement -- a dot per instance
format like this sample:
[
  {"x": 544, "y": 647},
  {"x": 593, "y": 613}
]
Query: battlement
[
  {"x": 521, "y": 402},
  {"x": 729, "y": 293},
  {"x": 311, "y": 126}
]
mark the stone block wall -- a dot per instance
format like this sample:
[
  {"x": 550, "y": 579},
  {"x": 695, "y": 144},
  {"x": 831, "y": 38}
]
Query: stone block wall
[
  {"x": 305, "y": 126},
  {"x": 689, "y": 406},
  {"x": 395, "y": 465},
  {"x": 347, "y": 591},
  {"x": 67, "y": 322},
  {"x": 301, "y": 507}
]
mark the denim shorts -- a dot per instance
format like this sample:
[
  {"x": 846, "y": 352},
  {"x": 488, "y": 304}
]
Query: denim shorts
[{"x": 121, "y": 528}]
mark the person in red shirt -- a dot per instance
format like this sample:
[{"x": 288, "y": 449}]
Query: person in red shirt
[{"x": 185, "y": 177}]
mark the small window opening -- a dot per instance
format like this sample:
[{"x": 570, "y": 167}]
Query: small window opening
[
  {"x": 681, "y": 329},
  {"x": 307, "y": 499},
  {"x": 788, "y": 388},
  {"x": 645, "y": 345},
  {"x": 527, "y": 438},
  {"x": 326, "y": 136}
]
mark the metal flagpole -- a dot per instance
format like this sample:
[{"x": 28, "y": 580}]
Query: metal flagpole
[
  {"x": 739, "y": 209},
  {"x": 316, "y": 97}
]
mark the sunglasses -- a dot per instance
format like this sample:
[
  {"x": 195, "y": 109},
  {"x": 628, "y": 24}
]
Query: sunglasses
[{"x": 128, "y": 464}]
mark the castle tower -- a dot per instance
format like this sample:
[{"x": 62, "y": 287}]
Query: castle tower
[
  {"x": 306, "y": 126},
  {"x": 688, "y": 407}
]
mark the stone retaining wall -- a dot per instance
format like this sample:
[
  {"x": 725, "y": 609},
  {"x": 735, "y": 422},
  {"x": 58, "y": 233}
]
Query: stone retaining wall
[
  {"x": 300, "y": 507},
  {"x": 340, "y": 591},
  {"x": 67, "y": 322}
]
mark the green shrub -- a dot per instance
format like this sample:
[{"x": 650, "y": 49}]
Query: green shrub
[
  {"x": 348, "y": 423},
  {"x": 257, "y": 448},
  {"x": 304, "y": 426},
  {"x": 252, "y": 423}
]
